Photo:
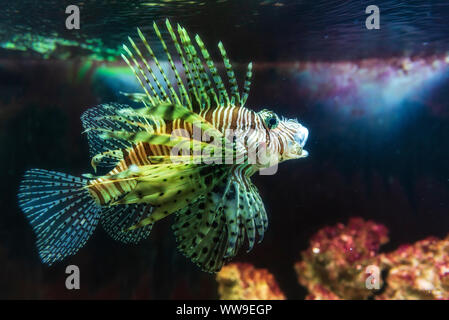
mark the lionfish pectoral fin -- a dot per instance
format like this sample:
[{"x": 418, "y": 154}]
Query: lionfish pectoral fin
[
  {"x": 211, "y": 230},
  {"x": 61, "y": 211},
  {"x": 200, "y": 230},
  {"x": 171, "y": 187}
]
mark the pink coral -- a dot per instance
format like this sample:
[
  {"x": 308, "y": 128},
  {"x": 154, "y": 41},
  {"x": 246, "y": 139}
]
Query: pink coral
[
  {"x": 335, "y": 264},
  {"x": 337, "y": 258},
  {"x": 418, "y": 271}
]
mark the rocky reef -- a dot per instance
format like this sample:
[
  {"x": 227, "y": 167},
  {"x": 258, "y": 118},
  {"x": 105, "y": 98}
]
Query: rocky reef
[
  {"x": 241, "y": 281},
  {"x": 341, "y": 260},
  {"x": 417, "y": 271},
  {"x": 334, "y": 265}
]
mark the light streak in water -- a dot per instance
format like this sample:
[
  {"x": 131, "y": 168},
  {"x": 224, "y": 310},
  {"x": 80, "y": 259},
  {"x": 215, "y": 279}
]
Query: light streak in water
[{"x": 370, "y": 87}]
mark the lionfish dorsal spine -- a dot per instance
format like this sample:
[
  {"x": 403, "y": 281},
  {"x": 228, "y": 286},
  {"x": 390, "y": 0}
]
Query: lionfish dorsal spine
[
  {"x": 205, "y": 88},
  {"x": 183, "y": 62},
  {"x": 247, "y": 84},
  {"x": 150, "y": 97},
  {"x": 230, "y": 72},
  {"x": 149, "y": 69},
  {"x": 182, "y": 89},
  {"x": 154, "y": 97},
  {"x": 213, "y": 70}
]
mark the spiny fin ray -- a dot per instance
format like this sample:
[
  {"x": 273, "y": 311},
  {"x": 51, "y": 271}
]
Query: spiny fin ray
[{"x": 200, "y": 93}]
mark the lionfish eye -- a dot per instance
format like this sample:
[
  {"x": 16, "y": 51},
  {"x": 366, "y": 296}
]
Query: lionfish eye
[{"x": 271, "y": 121}]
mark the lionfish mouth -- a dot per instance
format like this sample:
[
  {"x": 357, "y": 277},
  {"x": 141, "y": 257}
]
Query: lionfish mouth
[
  {"x": 298, "y": 153},
  {"x": 304, "y": 154},
  {"x": 295, "y": 151},
  {"x": 296, "y": 148}
]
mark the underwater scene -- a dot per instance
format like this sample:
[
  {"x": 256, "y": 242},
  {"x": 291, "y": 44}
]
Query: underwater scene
[{"x": 224, "y": 149}]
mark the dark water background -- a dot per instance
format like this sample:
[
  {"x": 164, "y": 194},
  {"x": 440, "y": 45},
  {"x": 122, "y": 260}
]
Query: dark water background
[{"x": 396, "y": 174}]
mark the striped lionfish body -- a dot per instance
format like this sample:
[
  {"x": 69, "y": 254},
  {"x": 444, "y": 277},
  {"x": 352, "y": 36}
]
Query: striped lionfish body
[{"x": 190, "y": 150}]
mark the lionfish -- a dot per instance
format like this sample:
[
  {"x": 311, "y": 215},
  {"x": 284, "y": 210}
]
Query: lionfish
[{"x": 215, "y": 204}]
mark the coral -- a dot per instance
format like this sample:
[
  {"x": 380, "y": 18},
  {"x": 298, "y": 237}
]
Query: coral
[
  {"x": 418, "y": 271},
  {"x": 319, "y": 292},
  {"x": 241, "y": 281},
  {"x": 334, "y": 266}
]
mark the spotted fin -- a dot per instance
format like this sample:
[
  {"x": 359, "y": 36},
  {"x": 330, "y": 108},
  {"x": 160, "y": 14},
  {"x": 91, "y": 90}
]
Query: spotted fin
[
  {"x": 171, "y": 187},
  {"x": 211, "y": 230},
  {"x": 201, "y": 231},
  {"x": 60, "y": 210}
]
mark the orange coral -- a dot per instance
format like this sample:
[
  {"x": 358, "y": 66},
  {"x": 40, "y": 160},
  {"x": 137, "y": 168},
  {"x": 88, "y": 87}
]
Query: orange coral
[
  {"x": 241, "y": 281},
  {"x": 319, "y": 292}
]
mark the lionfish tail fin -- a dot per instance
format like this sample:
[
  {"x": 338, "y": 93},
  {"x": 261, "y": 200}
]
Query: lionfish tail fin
[{"x": 61, "y": 211}]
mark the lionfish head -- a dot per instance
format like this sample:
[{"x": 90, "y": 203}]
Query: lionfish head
[{"x": 287, "y": 137}]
